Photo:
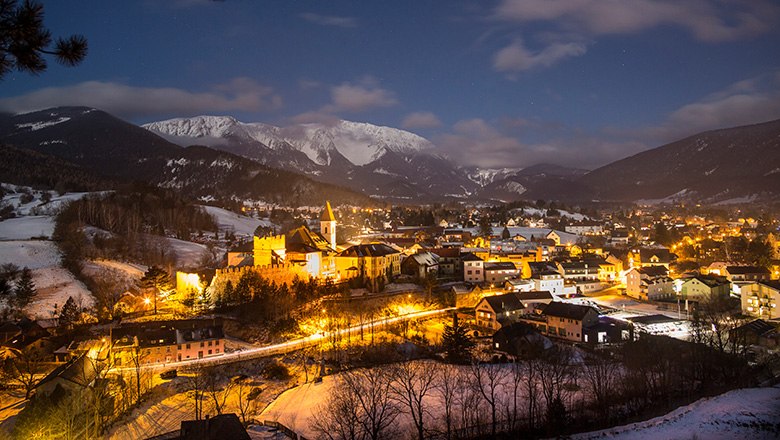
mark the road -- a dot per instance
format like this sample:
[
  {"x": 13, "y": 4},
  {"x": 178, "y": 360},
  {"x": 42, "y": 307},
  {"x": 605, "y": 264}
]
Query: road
[{"x": 291, "y": 345}]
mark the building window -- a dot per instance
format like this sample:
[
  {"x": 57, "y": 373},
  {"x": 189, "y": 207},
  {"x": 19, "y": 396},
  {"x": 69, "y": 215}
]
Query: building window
[
  {"x": 210, "y": 343},
  {"x": 201, "y": 343},
  {"x": 188, "y": 347}
]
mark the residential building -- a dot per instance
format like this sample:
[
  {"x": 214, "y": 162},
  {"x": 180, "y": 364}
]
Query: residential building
[
  {"x": 532, "y": 299},
  {"x": 519, "y": 285},
  {"x": 550, "y": 281},
  {"x": 649, "y": 283},
  {"x": 585, "y": 228},
  {"x": 219, "y": 427},
  {"x": 491, "y": 312},
  {"x": 651, "y": 257},
  {"x": 579, "y": 271},
  {"x": 760, "y": 299},
  {"x": 746, "y": 273},
  {"x": 702, "y": 287},
  {"x": 421, "y": 265},
  {"x": 473, "y": 268},
  {"x": 157, "y": 342},
  {"x": 497, "y": 272},
  {"x": 564, "y": 320},
  {"x": 374, "y": 263}
]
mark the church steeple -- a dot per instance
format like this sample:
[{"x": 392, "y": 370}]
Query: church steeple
[{"x": 328, "y": 225}]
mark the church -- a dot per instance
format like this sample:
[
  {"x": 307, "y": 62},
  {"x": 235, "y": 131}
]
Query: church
[{"x": 318, "y": 254}]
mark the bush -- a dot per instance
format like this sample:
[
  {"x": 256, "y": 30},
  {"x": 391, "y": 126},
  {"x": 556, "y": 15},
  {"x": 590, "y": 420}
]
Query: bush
[{"x": 275, "y": 371}]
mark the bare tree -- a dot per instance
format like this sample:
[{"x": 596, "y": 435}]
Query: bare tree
[
  {"x": 530, "y": 371},
  {"x": 23, "y": 368},
  {"x": 412, "y": 383},
  {"x": 215, "y": 390},
  {"x": 446, "y": 388},
  {"x": 197, "y": 389},
  {"x": 360, "y": 407},
  {"x": 137, "y": 357},
  {"x": 487, "y": 379},
  {"x": 601, "y": 376},
  {"x": 246, "y": 396},
  {"x": 554, "y": 373}
]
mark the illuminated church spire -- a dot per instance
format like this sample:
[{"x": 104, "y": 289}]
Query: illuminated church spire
[{"x": 328, "y": 225}]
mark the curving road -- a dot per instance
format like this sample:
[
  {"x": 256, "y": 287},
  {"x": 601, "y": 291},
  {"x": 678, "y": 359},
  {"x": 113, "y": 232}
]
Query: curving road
[{"x": 288, "y": 346}]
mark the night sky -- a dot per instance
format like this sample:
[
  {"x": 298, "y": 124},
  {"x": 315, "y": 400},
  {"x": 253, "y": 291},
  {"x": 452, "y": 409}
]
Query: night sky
[{"x": 491, "y": 83}]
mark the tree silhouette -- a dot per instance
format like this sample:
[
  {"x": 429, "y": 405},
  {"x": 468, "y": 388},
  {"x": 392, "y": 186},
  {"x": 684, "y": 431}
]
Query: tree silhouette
[
  {"x": 456, "y": 342},
  {"x": 157, "y": 280},
  {"x": 24, "y": 40},
  {"x": 69, "y": 315},
  {"x": 25, "y": 288}
]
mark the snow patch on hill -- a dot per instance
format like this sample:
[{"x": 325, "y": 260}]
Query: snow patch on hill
[
  {"x": 750, "y": 413},
  {"x": 239, "y": 224}
]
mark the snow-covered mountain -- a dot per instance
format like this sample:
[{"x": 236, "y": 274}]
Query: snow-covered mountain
[
  {"x": 360, "y": 143},
  {"x": 373, "y": 159}
]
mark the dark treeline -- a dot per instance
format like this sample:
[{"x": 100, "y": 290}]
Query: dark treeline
[
  {"x": 29, "y": 168},
  {"x": 131, "y": 221}
]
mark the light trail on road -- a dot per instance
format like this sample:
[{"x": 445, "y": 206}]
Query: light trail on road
[{"x": 288, "y": 346}]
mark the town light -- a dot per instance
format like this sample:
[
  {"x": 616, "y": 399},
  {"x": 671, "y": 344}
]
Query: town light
[{"x": 147, "y": 301}]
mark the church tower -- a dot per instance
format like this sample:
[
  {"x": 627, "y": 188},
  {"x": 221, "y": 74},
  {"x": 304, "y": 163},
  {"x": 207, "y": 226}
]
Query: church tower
[{"x": 328, "y": 225}]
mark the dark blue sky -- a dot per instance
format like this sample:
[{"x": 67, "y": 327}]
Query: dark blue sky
[{"x": 493, "y": 83}]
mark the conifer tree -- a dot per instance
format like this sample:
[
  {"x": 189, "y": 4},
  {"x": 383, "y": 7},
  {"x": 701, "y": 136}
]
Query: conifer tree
[
  {"x": 158, "y": 280},
  {"x": 25, "y": 288},
  {"x": 24, "y": 40},
  {"x": 457, "y": 342},
  {"x": 69, "y": 315}
]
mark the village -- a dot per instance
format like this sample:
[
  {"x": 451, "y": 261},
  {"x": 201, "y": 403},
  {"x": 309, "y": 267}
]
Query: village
[{"x": 466, "y": 285}]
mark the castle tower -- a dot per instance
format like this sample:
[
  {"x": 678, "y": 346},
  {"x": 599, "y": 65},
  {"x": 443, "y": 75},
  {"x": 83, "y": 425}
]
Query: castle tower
[{"x": 328, "y": 225}]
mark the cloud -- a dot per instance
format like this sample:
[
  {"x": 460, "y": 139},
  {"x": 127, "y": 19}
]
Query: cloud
[
  {"x": 358, "y": 97},
  {"x": 707, "y": 20},
  {"x": 420, "y": 120},
  {"x": 330, "y": 20},
  {"x": 347, "y": 97},
  {"x": 516, "y": 57},
  {"x": 744, "y": 102},
  {"x": 239, "y": 94},
  {"x": 478, "y": 142}
]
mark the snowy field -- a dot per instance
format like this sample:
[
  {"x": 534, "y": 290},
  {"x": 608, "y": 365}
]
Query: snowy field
[
  {"x": 188, "y": 254},
  {"x": 297, "y": 407},
  {"x": 25, "y": 228},
  {"x": 230, "y": 221},
  {"x": 750, "y": 413},
  {"x": 54, "y": 283},
  {"x": 36, "y": 219}
]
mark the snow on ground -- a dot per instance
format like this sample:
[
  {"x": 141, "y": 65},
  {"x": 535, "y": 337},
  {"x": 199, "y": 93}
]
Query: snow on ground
[
  {"x": 24, "y": 228},
  {"x": 188, "y": 254},
  {"x": 54, "y": 283},
  {"x": 240, "y": 224},
  {"x": 34, "y": 254},
  {"x": 750, "y": 413},
  {"x": 296, "y": 407},
  {"x": 153, "y": 419},
  {"x": 126, "y": 275}
]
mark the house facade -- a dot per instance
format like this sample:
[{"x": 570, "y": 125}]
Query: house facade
[
  {"x": 760, "y": 299},
  {"x": 702, "y": 287},
  {"x": 473, "y": 268},
  {"x": 493, "y": 311},
  {"x": 497, "y": 272}
]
